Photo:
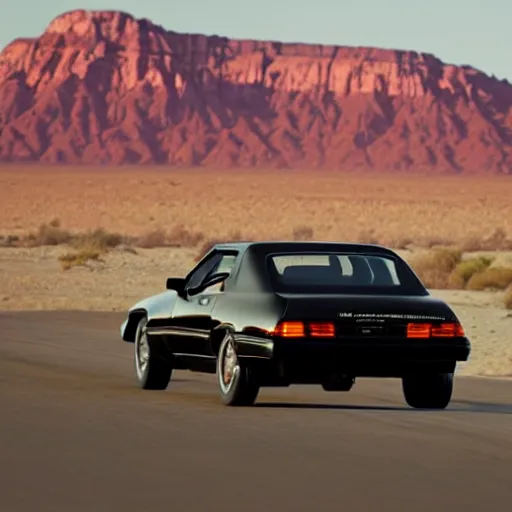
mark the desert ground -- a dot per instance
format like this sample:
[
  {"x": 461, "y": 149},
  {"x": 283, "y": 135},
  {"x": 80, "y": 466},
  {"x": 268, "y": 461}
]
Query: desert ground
[
  {"x": 409, "y": 213},
  {"x": 392, "y": 208}
]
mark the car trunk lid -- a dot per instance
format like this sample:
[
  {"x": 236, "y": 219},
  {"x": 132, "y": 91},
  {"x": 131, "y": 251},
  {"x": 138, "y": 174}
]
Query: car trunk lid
[{"x": 366, "y": 315}]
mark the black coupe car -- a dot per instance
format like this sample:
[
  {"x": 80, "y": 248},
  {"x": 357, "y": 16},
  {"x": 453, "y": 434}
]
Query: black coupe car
[{"x": 279, "y": 313}]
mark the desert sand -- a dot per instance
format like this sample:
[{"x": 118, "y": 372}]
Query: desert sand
[
  {"x": 262, "y": 204},
  {"x": 256, "y": 205}
]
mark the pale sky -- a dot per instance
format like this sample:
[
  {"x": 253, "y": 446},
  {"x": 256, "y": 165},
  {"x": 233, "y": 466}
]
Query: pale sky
[{"x": 473, "y": 32}]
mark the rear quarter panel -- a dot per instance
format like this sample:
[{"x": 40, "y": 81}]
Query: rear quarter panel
[
  {"x": 156, "y": 307},
  {"x": 249, "y": 313}
]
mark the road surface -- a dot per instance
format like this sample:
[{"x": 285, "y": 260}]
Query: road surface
[{"x": 77, "y": 435}]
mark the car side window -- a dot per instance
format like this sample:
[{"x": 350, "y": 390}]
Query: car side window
[
  {"x": 225, "y": 264},
  {"x": 198, "y": 275}
]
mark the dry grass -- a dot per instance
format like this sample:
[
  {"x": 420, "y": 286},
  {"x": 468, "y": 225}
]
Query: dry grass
[
  {"x": 179, "y": 236},
  {"x": 46, "y": 234},
  {"x": 303, "y": 233},
  {"x": 103, "y": 240},
  {"x": 507, "y": 299},
  {"x": 392, "y": 210},
  {"x": 79, "y": 258},
  {"x": 498, "y": 240},
  {"x": 494, "y": 278},
  {"x": 466, "y": 269},
  {"x": 435, "y": 267},
  {"x": 446, "y": 269},
  {"x": 99, "y": 240},
  {"x": 155, "y": 238}
]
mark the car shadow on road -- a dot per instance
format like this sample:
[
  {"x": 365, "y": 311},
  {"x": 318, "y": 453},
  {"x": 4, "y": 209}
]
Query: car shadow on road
[
  {"x": 457, "y": 406},
  {"x": 481, "y": 407},
  {"x": 306, "y": 405}
]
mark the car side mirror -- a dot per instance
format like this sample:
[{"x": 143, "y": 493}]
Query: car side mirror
[
  {"x": 216, "y": 278},
  {"x": 176, "y": 283}
]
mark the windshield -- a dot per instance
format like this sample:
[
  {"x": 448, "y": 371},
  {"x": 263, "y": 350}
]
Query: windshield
[{"x": 342, "y": 273}]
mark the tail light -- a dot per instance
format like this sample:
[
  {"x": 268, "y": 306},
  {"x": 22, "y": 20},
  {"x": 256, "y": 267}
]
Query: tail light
[
  {"x": 290, "y": 330},
  {"x": 322, "y": 330},
  {"x": 419, "y": 330},
  {"x": 302, "y": 330},
  {"x": 444, "y": 330}
]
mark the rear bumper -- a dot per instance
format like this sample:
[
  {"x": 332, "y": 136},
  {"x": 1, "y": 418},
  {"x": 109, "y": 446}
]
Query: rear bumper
[
  {"x": 379, "y": 350},
  {"x": 358, "y": 357}
]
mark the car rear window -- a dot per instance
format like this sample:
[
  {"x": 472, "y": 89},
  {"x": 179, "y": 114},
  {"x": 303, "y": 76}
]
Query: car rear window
[{"x": 335, "y": 272}]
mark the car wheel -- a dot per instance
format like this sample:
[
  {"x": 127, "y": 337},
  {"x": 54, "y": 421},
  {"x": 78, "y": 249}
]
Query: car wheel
[
  {"x": 236, "y": 382},
  {"x": 153, "y": 366},
  {"x": 428, "y": 391}
]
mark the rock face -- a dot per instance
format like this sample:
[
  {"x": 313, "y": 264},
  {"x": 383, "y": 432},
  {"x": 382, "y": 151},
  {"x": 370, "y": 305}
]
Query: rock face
[{"x": 106, "y": 88}]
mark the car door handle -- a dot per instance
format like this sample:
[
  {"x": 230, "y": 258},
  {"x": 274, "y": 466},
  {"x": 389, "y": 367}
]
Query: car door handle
[{"x": 204, "y": 301}]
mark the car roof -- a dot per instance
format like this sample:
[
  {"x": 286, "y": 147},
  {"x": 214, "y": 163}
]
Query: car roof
[
  {"x": 270, "y": 246},
  {"x": 251, "y": 274}
]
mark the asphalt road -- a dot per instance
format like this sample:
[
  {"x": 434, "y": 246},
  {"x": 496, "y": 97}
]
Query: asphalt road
[{"x": 77, "y": 435}]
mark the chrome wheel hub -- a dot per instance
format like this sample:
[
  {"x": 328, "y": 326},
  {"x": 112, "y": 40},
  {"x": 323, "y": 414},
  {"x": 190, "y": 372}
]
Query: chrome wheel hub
[
  {"x": 230, "y": 362},
  {"x": 142, "y": 352},
  {"x": 229, "y": 367}
]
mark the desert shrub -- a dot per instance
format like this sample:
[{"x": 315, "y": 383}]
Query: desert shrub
[
  {"x": 497, "y": 278},
  {"x": 79, "y": 258},
  {"x": 156, "y": 238},
  {"x": 464, "y": 270},
  {"x": 367, "y": 236},
  {"x": 97, "y": 240},
  {"x": 435, "y": 267},
  {"x": 471, "y": 244},
  {"x": 496, "y": 241},
  {"x": 9, "y": 240},
  {"x": 507, "y": 299},
  {"x": 399, "y": 243},
  {"x": 433, "y": 242},
  {"x": 303, "y": 233},
  {"x": 48, "y": 234},
  {"x": 180, "y": 236}
]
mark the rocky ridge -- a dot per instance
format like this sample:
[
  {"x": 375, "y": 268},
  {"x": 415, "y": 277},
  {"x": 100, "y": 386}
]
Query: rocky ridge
[{"x": 105, "y": 88}]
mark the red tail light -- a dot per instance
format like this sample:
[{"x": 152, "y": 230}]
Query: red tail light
[
  {"x": 293, "y": 329},
  {"x": 418, "y": 330},
  {"x": 444, "y": 330},
  {"x": 290, "y": 330},
  {"x": 322, "y": 330}
]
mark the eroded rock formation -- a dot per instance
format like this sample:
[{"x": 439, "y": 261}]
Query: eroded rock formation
[{"x": 104, "y": 87}]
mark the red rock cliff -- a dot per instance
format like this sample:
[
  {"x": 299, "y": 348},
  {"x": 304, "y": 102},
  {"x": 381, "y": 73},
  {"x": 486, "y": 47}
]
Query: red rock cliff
[{"x": 104, "y": 87}]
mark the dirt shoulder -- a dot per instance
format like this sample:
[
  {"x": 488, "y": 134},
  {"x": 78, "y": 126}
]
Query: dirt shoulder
[{"x": 32, "y": 279}]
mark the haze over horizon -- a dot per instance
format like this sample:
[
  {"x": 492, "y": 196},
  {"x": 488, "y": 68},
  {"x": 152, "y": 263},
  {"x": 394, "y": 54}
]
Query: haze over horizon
[{"x": 459, "y": 32}]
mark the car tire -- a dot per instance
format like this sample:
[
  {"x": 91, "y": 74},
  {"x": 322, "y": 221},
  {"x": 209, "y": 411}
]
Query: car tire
[
  {"x": 242, "y": 388},
  {"x": 153, "y": 367},
  {"x": 428, "y": 391}
]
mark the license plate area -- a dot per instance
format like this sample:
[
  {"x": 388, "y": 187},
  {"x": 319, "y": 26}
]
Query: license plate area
[{"x": 370, "y": 330}]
